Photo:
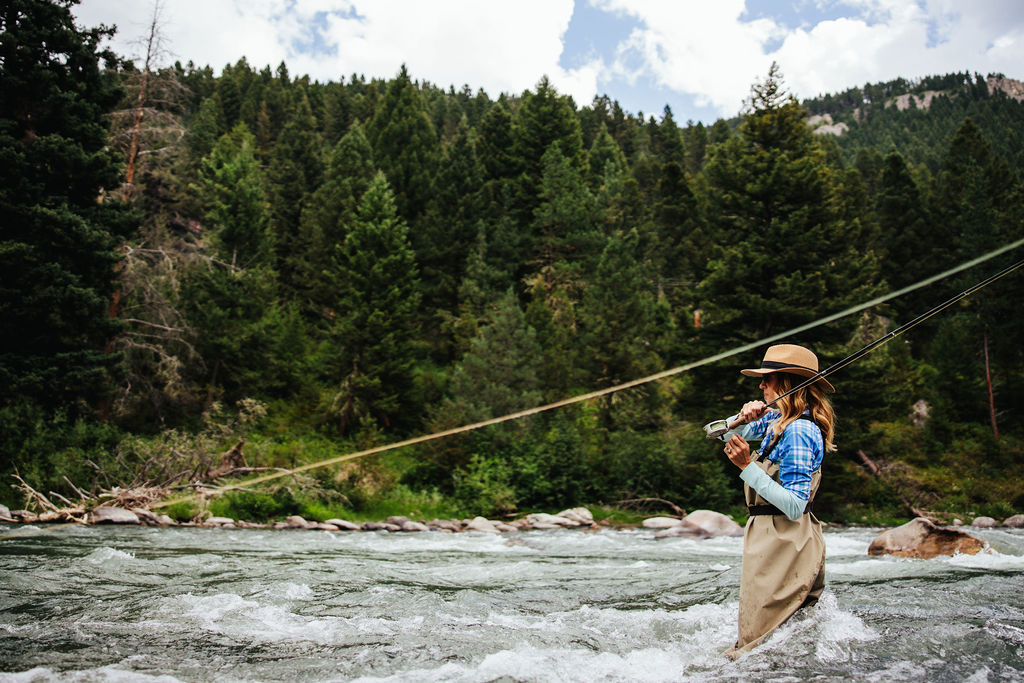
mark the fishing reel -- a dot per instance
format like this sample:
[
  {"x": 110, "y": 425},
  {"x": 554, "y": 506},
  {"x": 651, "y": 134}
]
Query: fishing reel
[{"x": 715, "y": 429}]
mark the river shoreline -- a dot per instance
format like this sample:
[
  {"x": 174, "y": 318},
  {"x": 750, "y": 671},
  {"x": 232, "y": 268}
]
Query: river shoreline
[{"x": 697, "y": 524}]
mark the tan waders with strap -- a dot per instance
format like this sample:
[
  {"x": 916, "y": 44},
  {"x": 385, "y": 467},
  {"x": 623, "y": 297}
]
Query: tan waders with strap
[{"x": 783, "y": 565}]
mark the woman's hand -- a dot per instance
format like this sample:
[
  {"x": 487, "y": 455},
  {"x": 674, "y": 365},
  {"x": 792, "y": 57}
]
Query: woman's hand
[
  {"x": 752, "y": 411},
  {"x": 738, "y": 451}
]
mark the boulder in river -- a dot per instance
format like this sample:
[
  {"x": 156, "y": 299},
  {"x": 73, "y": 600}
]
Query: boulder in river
[
  {"x": 579, "y": 515},
  {"x": 5, "y": 513},
  {"x": 983, "y": 522},
  {"x": 1014, "y": 522},
  {"x": 481, "y": 524},
  {"x": 108, "y": 514},
  {"x": 662, "y": 522},
  {"x": 219, "y": 521},
  {"x": 542, "y": 520},
  {"x": 344, "y": 524},
  {"x": 409, "y": 525},
  {"x": 713, "y": 523},
  {"x": 923, "y": 538},
  {"x": 297, "y": 522}
]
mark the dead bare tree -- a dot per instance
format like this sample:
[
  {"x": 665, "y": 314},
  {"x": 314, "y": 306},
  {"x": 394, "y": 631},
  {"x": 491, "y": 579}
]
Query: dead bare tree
[{"x": 150, "y": 123}]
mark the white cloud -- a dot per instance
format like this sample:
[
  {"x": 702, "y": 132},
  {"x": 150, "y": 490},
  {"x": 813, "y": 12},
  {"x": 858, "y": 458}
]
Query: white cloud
[
  {"x": 711, "y": 51},
  {"x": 498, "y": 46}
]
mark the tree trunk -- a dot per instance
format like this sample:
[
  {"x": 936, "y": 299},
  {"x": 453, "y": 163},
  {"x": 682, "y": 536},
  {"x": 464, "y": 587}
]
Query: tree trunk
[{"x": 991, "y": 394}]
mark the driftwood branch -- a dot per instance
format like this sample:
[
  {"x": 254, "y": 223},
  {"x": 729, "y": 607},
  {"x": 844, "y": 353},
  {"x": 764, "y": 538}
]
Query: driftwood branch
[
  {"x": 872, "y": 467},
  {"x": 642, "y": 501}
]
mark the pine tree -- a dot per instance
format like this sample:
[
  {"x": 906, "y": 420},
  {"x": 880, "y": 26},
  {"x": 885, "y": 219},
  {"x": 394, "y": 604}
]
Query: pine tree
[
  {"x": 544, "y": 118},
  {"x": 405, "y": 145},
  {"x": 328, "y": 217},
  {"x": 231, "y": 189},
  {"x": 448, "y": 227},
  {"x": 295, "y": 172},
  {"x": 784, "y": 249},
  {"x": 59, "y": 238},
  {"x": 371, "y": 345}
]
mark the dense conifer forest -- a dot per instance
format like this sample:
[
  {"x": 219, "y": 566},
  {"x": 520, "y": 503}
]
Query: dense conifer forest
[{"x": 190, "y": 260}]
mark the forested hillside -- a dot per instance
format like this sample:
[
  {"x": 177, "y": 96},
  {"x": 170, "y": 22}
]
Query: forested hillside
[{"x": 192, "y": 258}]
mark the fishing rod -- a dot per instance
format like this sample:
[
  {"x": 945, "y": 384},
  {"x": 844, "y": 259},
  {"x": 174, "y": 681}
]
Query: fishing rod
[{"x": 717, "y": 428}]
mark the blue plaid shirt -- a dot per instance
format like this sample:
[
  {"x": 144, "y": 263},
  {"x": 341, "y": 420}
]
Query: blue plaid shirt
[{"x": 798, "y": 454}]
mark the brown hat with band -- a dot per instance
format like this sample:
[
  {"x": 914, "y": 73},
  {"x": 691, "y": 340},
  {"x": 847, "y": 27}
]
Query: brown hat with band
[{"x": 790, "y": 358}]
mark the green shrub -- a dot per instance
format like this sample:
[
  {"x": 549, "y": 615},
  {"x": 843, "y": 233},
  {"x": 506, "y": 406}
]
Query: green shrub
[{"x": 182, "y": 511}]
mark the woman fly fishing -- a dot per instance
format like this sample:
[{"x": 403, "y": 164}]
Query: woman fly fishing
[{"x": 783, "y": 547}]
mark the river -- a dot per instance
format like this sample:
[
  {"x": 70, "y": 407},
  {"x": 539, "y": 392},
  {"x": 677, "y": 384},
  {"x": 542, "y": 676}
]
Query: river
[{"x": 187, "y": 604}]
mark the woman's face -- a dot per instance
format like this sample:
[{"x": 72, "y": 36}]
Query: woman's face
[{"x": 768, "y": 385}]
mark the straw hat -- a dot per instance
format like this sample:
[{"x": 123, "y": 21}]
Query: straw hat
[{"x": 795, "y": 360}]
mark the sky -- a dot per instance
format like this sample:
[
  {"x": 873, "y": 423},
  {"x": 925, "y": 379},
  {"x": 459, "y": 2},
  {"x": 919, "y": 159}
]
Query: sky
[{"x": 699, "y": 57}]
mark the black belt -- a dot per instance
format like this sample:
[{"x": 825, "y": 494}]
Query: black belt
[{"x": 759, "y": 510}]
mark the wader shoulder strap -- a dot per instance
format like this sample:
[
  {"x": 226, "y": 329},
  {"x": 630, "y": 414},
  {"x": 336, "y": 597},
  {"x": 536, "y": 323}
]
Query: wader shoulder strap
[{"x": 769, "y": 509}]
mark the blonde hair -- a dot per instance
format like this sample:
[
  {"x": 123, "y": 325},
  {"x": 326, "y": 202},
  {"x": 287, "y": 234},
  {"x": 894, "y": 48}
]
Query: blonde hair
[{"x": 812, "y": 397}]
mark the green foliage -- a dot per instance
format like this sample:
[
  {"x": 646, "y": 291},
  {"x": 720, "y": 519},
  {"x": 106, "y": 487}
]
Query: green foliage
[
  {"x": 369, "y": 352},
  {"x": 58, "y": 248},
  {"x": 256, "y": 506},
  {"x": 182, "y": 511}
]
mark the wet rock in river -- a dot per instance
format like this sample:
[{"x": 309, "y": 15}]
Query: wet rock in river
[
  {"x": 579, "y": 515},
  {"x": 409, "y": 525},
  {"x": 297, "y": 522},
  {"x": 1014, "y": 522},
  {"x": 542, "y": 520},
  {"x": 922, "y": 538},
  {"x": 219, "y": 521},
  {"x": 662, "y": 522},
  {"x": 344, "y": 525},
  {"x": 983, "y": 522},
  {"x": 5, "y": 513},
  {"x": 699, "y": 524},
  {"x": 484, "y": 525},
  {"x": 108, "y": 514}
]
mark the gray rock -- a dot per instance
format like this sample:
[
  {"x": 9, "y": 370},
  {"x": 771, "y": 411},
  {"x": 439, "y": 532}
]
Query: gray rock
[
  {"x": 108, "y": 514},
  {"x": 409, "y": 525},
  {"x": 5, "y": 513},
  {"x": 297, "y": 522},
  {"x": 149, "y": 517},
  {"x": 505, "y": 528},
  {"x": 448, "y": 525},
  {"x": 958, "y": 522},
  {"x": 219, "y": 521},
  {"x": 713, "y": 523},
  {"x": 662, "y": 522},
  {"x": 344, "y": 525},
  {"x": 482, "y": 525},
  {"x": 324, "y": 526},
  {"x": 372, "y": 526},
  {"x": 1014, "y": 522},
  {"x": 544, "y": 518},
  {"x": 922, "y": 538},
  {"x": 683, "y": 531},
  {"x": 397, "y": 520},
  {"x": 580, "y": 515},
  {"x": 983, "y": 522}
]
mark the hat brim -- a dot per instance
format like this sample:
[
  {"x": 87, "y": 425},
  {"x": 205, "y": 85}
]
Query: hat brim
[{"x": 803, "y": 372}]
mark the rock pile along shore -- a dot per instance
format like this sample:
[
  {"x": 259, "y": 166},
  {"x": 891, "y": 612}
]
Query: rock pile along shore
[{"x": 917, "y": 538}]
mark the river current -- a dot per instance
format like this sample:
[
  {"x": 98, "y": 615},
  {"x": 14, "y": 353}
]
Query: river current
[{"x": 188, "y": 604}]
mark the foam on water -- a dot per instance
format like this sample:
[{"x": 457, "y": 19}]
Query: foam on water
[
  {"x": 111, "y": 674},
  {"x": 107, "y": 555}
]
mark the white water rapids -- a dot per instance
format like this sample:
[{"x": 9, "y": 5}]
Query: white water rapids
[{"x": 189, "y": 604}]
